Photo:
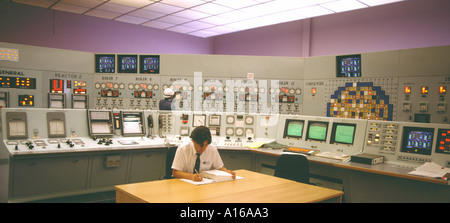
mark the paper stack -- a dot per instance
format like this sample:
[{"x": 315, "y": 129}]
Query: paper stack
[
  {"x": 217, "y": 175},
  {"x": 430, "y": 169}
]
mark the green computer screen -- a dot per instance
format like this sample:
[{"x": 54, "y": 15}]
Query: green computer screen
[
  {"x": 344, "y": 134},
  {"x": 294, "y": 129},
  {"x": 318, "y": 131}
]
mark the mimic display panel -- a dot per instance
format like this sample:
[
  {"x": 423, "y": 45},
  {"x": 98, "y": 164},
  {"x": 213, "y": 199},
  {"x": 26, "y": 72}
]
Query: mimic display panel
[
  {"x": 417, "y": 140},
  {"x": 343, "y": 133},
  {"x": 293, "y": 128},
  {"x": 105, "y": 63},
  {"x": 127, "y": 63},
  {"x": 443, "y": 141},
  {"x": 100, "y": 123},
  {"x": 18, "y": 82},
  {"x": 348, "y": 66},
  {"x": 149, "y": 64},
  {"x": 317, "y": 131}
]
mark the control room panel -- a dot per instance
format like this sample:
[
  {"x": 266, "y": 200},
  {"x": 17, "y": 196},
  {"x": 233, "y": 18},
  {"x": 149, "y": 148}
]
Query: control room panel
[{"x": 402, "y": 143}]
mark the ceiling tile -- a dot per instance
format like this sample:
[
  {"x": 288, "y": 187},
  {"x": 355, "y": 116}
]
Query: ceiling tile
[
  {"x": 312, "y": 11},
  {"x": 183, "y": 3},
  {"x": 133, "y": 3},
  {"x": 131, "y": 19},
  {"x": 216, "y": 20},
  {"x": 343, "y": 5},
  {"x": 163, "y": 8},
  {"x": 173, "y": 19},
  {"x": 146, "y": 14},
  {"x": 111, "y": 7},
  {"x": 38, "y": 3},
  {"x": 378, "y": 2},
  {"x": 203, "y": 33},
  {"x": 102, "y": 14},
  {"x": 84, "y": 3},
  {"x": 236, "y": 4},
  {"x": 212, "y": 9},
  {"x": 182, "y": 29},
  {"x": 191, "y": 14},
  {"x": 157, "y": 24},
  {"x": 69, "y": 8},
  {"x": 198, "y": 25}
]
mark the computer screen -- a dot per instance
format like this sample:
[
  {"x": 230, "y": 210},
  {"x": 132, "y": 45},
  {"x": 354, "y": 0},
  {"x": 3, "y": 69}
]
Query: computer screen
[
  {"x": 348, "y": 66},
  {"x": 417, "y": 140},
  {"x": 293, "y": 128},
  {"x": 149, "y": 64},
  {"x": 105, "y": 63},
  {"x": 343, "y": 133},
  {"x": 317, "y": 130},
  {"x": 443, "y": 141},
  {"x": 127, "y": 63}
]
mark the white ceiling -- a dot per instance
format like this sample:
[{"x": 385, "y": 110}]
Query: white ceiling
[{"x": 205, "y": 18}]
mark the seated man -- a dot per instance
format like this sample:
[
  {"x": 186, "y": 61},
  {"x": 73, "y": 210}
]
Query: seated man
[{"x": 196, "y": 156}]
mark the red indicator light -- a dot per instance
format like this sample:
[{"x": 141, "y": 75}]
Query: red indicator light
[
  {"x": 442, "y": 89},
  {"x": 313, "y": 91},
  {"x": 424, "y": 90},
  {"x": 407, "y": 90}
]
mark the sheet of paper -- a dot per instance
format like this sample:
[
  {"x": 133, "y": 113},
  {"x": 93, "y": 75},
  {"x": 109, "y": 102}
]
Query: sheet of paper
[{"x": 430, "y": 169}]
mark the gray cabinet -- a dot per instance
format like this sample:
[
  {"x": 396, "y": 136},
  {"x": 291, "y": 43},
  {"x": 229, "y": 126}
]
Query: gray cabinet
[{"x": 146, "y": 166}]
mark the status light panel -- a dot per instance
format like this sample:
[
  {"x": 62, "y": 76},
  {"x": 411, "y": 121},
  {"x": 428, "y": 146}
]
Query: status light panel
[
  {"x": 443, "y": 141},
  {"x": 18, "y": 82}
]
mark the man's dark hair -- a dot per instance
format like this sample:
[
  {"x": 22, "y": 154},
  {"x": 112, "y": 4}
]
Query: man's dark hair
[{"x": 200, "y": 134}]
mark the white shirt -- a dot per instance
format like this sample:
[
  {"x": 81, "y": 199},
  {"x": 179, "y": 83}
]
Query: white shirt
[{"x": 185, "y": 157}]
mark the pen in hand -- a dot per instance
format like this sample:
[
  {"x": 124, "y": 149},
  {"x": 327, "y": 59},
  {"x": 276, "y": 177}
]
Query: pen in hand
[{"x": 197, "y": 176}]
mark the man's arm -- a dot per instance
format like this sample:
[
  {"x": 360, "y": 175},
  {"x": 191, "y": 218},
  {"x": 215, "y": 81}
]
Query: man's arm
[
  {"x": 229, "y": 171},
  {"x": 184, "y": 175}
]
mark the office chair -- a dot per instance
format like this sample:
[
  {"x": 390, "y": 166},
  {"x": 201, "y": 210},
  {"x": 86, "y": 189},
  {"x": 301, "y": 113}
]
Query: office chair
[
  {"x": 169, "y": 160},
  {"x": 293, "y": 167}
]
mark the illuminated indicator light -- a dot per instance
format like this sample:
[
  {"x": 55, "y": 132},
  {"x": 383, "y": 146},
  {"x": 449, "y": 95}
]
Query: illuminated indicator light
[
  {"x": 313, "y": 91},
  {"x": 441, "y": 147},
  {"x": 442, "y": 89},
  {"x": 424, "y": 90}
]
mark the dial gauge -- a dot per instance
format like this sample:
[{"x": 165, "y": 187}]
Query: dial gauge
[
  {"x": 249, "y": 120},
  {"x": 230, "y": 119},
  {"x": 199, "y": 120},
  {"x": 229, "y": 131},
  {"x": 239, "y": 131}
]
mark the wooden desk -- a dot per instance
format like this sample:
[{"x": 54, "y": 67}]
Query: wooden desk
[{"x": 254, "y": 188}]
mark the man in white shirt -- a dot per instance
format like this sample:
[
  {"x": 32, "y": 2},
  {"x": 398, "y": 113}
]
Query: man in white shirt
[{"x": 186, "y": 164}]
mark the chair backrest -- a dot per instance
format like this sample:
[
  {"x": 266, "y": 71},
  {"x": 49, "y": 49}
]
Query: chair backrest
[
  {"x": 169, "y": 160},
  {"x": 293, "y": 167}
]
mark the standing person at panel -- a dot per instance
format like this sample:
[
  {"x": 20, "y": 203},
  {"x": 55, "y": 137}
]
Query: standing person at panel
[
  {"x": 166, "y": 104},
  {"x": 197, "y": 155}
]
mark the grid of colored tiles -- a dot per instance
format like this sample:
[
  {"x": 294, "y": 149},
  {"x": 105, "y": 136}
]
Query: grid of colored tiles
[
  {"x": 360, "y": 100},
  {"x": 443, "y": 140}
]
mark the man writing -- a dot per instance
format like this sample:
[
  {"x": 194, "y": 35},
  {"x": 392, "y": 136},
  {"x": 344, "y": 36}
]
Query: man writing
[{"x": 196, "y": 156}]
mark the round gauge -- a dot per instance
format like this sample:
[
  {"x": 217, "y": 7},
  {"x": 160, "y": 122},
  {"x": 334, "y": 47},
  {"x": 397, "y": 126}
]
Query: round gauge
[
  {"x": 199, "y": 120},
  {"x": 225, "y": 89},
  {"x": 116, "y": 86},
  {"x": 249, "y": 120},
  {"x": 291, "y": 91},
  {"x": 271, "y": 90},
  {"x": 130, "y": 86},
  {"x": 200, "y": 88},
  {"x": 136, "y": 86},
  {"x": 149, "y": 86},
  {"x": 156, "y": 87},
  {"x": 103, "y": 85},
  {"x": 230, "y": 119},
  {"x": 219, "y": 89},
  {"x": 164, "y": 86},
  {"x": 206, "y": 88},
  {"x": 97, "y": 85},
  {"x": 184, "y": 88},
  {"x": 242, "y": 89},
  {"x": 278, "y": 90},
  {"x": 239, "y": 131},
  {"x": 121, "y": 85},
  {"x": 191, "y": 88},
  {"x": 235, "y": 89},
  {"x": 298, "y": 91},
  {"x": 262, "y": 90},
  {"x": 255, "y": 90},
  {"x": 229, "y": 131}
]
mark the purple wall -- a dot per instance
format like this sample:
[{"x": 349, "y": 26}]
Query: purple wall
[
  {"x": 403, "y": 25},
  {"x": 36, "y": 26}
]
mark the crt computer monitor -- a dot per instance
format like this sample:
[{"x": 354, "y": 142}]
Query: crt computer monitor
[
  {"x": 343, "y": 133},
  {"x": 417, "y": 140},
  {"x": 293, "y": 128},
  {"x": 317, "y": 131}
]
